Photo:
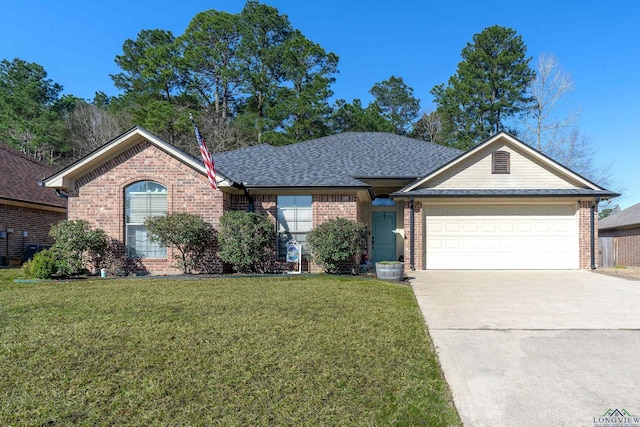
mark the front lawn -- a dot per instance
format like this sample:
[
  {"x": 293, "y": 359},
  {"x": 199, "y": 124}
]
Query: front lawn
[{"x": 236, "y": 351}]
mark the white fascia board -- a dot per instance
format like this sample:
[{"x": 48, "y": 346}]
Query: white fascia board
[{"x": 65, "y": 179}]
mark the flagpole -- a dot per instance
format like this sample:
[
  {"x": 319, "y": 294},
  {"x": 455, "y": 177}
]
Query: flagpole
[{"x": 206, "y": 156}]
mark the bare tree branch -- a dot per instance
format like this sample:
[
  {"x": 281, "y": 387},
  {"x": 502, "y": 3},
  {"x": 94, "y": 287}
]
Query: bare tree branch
[{"x": 548, "y": 90}]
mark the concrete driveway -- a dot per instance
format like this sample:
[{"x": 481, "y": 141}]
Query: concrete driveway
[{"x": 535, "y": 348}]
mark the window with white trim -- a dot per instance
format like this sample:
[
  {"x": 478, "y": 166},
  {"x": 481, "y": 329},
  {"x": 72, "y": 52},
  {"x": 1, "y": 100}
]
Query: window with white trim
[
  {"x": 143, "y": 199},
  {"x": 294, "y": 220}
]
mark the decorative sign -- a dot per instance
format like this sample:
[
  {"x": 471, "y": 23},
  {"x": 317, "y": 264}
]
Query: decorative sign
[{"x": 293, "y": 251}]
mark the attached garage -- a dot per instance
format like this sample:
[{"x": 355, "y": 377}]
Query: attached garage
[{"x": 502, "y": 236}]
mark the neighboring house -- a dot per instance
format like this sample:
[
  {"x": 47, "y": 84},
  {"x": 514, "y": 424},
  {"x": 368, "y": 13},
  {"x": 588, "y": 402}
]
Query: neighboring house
[
  {"x": 620, "y": 232},
  {"x": 27, "y": 211},
  {"x": 501, "y": 205}
]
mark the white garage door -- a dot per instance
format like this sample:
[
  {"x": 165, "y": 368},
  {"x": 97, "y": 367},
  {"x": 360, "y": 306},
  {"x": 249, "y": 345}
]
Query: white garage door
[{"x": 501, "y": 237}]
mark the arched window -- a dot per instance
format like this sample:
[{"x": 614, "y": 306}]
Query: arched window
[{"x": 143, "y": 199}]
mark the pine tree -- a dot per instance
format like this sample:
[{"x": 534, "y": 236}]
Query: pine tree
[{"x": 488, "y": 89}]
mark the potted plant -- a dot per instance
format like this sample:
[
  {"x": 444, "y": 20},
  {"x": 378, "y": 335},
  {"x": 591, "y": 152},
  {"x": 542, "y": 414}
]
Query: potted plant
[{"x": 390, "y": 270}]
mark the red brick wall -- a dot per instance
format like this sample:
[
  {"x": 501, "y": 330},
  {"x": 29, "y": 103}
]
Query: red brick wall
[
  {"x": 100, "y": 195},
  {"x": 264, "y": 204},
  {"x": 36, "y": 222},
  {"x": 332, "y": 206},
  {"x": 584, "y": 234},
  {"x": 418, "y": 233},
  {"x": 364, "y": 213},
  {"x": 628, "y": 242}
]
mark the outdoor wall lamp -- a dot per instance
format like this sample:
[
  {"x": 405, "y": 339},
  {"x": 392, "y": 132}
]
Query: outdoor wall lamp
[{"x": 25, "y": 233}]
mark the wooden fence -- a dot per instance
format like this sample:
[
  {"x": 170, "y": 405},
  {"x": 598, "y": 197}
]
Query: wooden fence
[{"x": 608, "y": 252}]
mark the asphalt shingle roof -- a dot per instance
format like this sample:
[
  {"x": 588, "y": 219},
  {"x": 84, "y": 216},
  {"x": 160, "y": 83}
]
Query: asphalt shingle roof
[
  {"x": 624, "y": 218},
  {"x": 19, "y": 176},
  {"x": 335, "y": 160}
]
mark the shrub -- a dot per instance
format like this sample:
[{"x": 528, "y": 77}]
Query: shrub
[
  {"x": 246, "y": 240},
  {"x": 117, "y": 263},
  {"x": 47, "y": 264},
  {"x": 76, "y": 245},
  {"x": 187, "y": 232},
  {"x": 79, "y": 244},
  {"x": 336, "y": 244}
]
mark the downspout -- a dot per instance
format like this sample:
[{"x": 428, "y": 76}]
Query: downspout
[
  {"x": 593, "y": 232},
  {"x": 250, "y": 206},
  {"x": 411, "y": 235},
  {"x": 66, "y": 197},
  {"x": 61, "y": 194}
]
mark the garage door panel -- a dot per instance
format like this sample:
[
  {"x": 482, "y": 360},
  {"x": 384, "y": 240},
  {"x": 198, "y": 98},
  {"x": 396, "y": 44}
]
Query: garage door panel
[
  {"x": 471, "y": 243},
  {"x": 470, "y": 227},
  {"x": 434, "y": 227},
  {"x": 488, "y": 227},
  {"x": 525, "y": 227},
  {"x": 499, "y": 237}
]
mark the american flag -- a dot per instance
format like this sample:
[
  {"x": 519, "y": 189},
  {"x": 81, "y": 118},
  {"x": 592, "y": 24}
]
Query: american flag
[{"x": 206, "y": 157}]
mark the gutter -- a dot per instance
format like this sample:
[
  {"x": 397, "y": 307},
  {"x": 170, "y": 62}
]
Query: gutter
[
  {"x": 593, "y": 232},
  {"x": 333, "y": 189},
  {"x": 250, "y": 205},
  {"x": 411, "y": 235},
  {"x": 602, "y": 195}
]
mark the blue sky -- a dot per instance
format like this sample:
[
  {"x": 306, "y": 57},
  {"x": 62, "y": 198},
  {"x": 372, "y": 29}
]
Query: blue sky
[{"x": 598, "y": 42}]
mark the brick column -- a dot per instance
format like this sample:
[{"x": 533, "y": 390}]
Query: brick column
[
  {"x": 584, "y": 234},
  {"x": 418, "y": 236}
]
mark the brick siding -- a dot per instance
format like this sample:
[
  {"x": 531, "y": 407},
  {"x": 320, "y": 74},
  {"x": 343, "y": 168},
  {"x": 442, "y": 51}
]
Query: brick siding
[
  {"x": 100, "y": 195},
  {"x": 628, "y": 245},
  {"x": 584, "y": 234},
  {"x": 331, "y": 206},
  {"x": 418, "y": 233},
  {"x": 36, "y": 222}
]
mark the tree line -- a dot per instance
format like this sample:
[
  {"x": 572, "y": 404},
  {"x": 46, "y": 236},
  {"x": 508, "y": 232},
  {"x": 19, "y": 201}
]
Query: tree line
[{"x": 252, "y": 78}]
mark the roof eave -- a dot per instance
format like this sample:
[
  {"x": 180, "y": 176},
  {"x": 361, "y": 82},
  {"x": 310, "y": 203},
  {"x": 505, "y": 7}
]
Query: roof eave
[
  {"x": 65, "y": 178},
  {"x": 619, "y": 227},
  {"x": 305, "y": 187},
  {"x": 399, "y": 194}
]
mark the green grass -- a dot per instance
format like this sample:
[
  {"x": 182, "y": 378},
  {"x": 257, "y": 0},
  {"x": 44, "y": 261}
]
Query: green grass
[{"x": 236, "y": 351}]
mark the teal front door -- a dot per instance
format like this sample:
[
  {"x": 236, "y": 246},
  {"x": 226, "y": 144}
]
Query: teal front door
[{"x": 383, "y": 240}]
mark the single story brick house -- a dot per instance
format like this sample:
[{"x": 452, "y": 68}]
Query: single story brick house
[
  {"x": 623, "y": 230},
  {"x": 27, "y": 211},
  {"x": 500, "y": 205}
]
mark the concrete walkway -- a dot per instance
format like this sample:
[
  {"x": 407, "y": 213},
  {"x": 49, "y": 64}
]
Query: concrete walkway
[{"x": 535, "y": 348}]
